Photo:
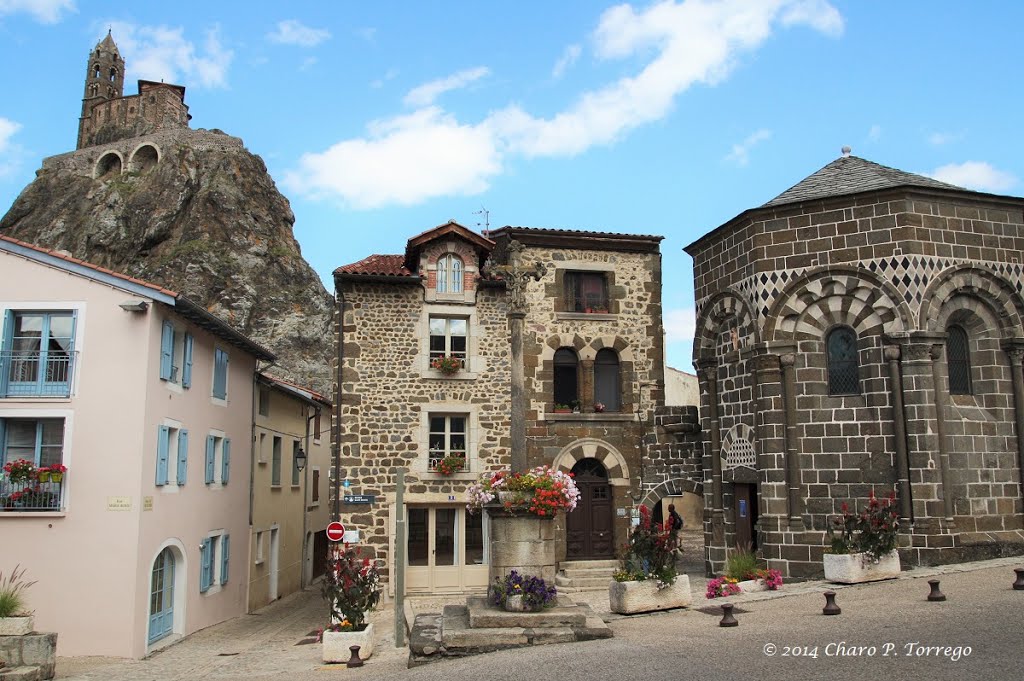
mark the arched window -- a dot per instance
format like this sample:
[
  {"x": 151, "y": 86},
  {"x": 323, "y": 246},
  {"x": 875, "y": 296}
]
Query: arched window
[
  {"x": 566, "y": 378},
  {"x": 161, "y": 596},
  {"x": 96, "y": 71},
  {"x": 606, "y": 380},
  {"x": 843, "y": 377},
  {"x": 449, "y": 274},
  {"x": 958, "y": 358},
  {"x": 113, "y": 75}
]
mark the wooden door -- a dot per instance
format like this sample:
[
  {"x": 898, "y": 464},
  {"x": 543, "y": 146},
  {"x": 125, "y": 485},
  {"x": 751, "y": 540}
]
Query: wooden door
[
  {"x": 745, "y": 512},
  {"x": 589, "y": 527},
  {"x": 161, "y": 596}
]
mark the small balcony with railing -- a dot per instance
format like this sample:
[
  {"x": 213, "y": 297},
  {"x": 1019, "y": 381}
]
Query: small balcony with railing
[
  {"x": 40, "y": 491},
  {"x": 36, "y": 373}
]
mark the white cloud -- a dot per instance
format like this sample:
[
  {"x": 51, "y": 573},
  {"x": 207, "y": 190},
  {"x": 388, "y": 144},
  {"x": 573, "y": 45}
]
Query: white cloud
[
  {"x": 308, "y": 63},
  {"x": 939, "y": 138},
  {"x": 975, "y": 175},
  {"x": 740, "y": 154},
  {"x": 163, "y": 53},
  {"x": 425, "y": 94},
  {"x": 568, "y": 58},
  {"x": 680, "y": 325},
  {"x": 682, "y": 44},
  {"x": 44, "y": 11},
  {"x": 391, "y": 74},
  {"x": 9, "y": 151},
  {"x": 875, "y": 133},
  {"x": 403, "y": 160},
  {"x": 294, "y": 32}
]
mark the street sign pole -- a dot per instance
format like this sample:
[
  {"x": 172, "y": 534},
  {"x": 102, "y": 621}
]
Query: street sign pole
[{"x": 399, "y": 565}]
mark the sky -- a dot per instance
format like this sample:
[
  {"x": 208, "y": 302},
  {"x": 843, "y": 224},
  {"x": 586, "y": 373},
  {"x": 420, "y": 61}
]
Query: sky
[{"x": 381, "y": 120}]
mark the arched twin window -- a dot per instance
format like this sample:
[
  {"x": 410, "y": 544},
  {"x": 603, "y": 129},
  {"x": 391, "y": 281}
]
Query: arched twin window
[
  {"x": 449, "y": 274},
  {"x": 841, "y": 351},
  {"x": 566, "y": 375},
  {"x": 958, "y": 360},
  {"x": 607, "y": 380}
]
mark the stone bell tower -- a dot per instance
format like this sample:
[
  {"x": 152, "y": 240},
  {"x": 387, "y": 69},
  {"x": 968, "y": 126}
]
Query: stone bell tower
[{"x": 104, "y": 80}]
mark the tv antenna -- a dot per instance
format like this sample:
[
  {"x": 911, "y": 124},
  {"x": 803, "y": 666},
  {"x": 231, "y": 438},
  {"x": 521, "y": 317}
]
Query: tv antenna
[{"x": 487, "y": 221}]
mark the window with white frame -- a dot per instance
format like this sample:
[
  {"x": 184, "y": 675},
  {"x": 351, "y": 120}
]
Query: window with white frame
[
  {"x": 40, "y": 442},
  {"x": 449, "y": 337},
  {"x": 220, "y": 374},
  {"x": 37, "y": 354},
  {"x": 447, "y": 438},
  {"x": 171, "y": 455},
  {"x": 218, "y": 459},
  {"x": 449, "y": 274},
  {"x": 214, "y": 561},
  {"x": 176, "y": 347}
]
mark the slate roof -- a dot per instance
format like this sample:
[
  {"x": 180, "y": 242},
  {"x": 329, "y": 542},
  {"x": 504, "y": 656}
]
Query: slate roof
[
  {"x": 852, "y": 175},
  {"x": 377, "y": 265},
  {"x": 573, "y": 232}
]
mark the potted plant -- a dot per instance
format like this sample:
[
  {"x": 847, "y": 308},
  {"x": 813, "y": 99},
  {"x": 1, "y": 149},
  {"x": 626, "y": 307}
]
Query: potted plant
[
  {"x": 522, "y": 593},
  {"x": 541, "y": 491},
  {"x": 15, "y": 618},
  {"x": 599, "y": 407},
  {"x": 447, "y": 365},
  {"x": 57, "y": 472},
  {"x": 450, "y": 465},
  {"x": 20, "y": 470},
  {"x": 744, "y": 569},
  {"x": 722, "y": 586},
  {"x": 351, "y": 586},
  {"x": 647, "y": 578},
  {"x": 863, "y": 545},
  {"x": 562, "y": 408},
  {"x": 575, "y": 406}
]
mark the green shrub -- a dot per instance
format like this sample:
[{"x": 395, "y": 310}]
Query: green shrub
[
  {"x": 12, "y": 600},
  {"x": 741, "y": 565}
]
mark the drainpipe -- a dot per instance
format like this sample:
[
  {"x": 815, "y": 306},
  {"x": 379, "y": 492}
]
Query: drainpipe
[{"x": 336, "y": 426}]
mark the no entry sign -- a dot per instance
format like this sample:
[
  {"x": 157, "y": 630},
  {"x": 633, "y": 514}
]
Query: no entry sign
[{"x": 335, "y": 531}]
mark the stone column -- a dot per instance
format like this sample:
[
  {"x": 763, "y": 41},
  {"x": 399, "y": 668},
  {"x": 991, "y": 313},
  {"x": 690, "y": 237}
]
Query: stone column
[
  {"x": 1015, "y": 349},
  {"x": 939, "y": 397},
  {"x": 522, "y": 542},
  {"x": 587, "y": 398},
  {"x": 899, "y": 425},
  {"x": 707, "y": 369},
  {"x": 770, "y": 432},
  {"x": 789, "y": 391},
  {"x": 518, "y": 393},
  {"x": 918, "y": 381}
]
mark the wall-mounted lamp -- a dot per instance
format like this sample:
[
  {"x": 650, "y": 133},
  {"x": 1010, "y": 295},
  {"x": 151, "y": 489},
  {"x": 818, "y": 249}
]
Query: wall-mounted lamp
[
  {"x": 300, "y": 459},
  {"x": 134, "y": 306}
]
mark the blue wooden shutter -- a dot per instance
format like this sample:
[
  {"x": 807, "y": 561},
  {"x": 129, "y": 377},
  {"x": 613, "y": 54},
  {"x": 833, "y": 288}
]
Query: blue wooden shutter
[
  {"x": 5, "y": 346},
  {"x": 225, "y": 554},
  {"x": 186, "y": 371},
  {"x": 206, "y": 565},
  {"x": 162, "y": 445},
  {"x": 225, "y": 463},
  {"x": 182, "y": 456},
  {"x": 166, "y": 351},
  {"x": 211, "y": 443},
  {"x": 220, "y": 374}
]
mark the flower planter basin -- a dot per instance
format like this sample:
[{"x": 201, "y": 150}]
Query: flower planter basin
[
  {"x": 336, "y": 644},
  {"x": 517, "y": 604},
  {"x": 16, "y": 626},
  {"x": 752, "y": 586},
  {"x": 627, "y": 598},
  {"x": 854, "y": 568}
]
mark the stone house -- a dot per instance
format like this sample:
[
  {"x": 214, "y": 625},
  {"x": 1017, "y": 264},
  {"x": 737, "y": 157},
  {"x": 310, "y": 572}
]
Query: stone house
[
  {"x": 593, "y": 365},
  {"x": 862, "y": 332}
]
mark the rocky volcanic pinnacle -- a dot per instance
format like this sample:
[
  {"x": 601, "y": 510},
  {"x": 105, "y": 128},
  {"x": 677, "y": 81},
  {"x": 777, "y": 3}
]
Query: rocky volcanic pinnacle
[{"x": 205, "y": 219}]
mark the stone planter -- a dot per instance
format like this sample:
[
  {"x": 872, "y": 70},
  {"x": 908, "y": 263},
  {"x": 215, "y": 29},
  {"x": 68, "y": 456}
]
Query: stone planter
[
  {"x": 517, "y": 604},
  {"x": 854, "y": 568},
  {"x": 16, "y": 626},
  {"x": 627, "y": 598},
  {"x": 752, "y": 586},
  {"x": 336, "y": 644}
]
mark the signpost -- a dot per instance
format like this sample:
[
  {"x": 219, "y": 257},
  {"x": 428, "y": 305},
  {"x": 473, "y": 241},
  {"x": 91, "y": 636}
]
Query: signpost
[{"x": 335, "y": 531}]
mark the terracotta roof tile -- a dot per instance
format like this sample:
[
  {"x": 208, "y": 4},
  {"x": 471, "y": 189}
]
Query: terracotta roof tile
[{"x": 378, "y": 265}]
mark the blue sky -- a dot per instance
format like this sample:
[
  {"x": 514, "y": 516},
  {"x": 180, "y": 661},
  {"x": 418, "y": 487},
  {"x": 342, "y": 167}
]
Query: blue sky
[{"x": 380, "y": 120}]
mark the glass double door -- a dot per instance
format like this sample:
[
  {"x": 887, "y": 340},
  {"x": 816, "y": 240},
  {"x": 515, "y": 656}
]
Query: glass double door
[{"x": 446, "y": 550}]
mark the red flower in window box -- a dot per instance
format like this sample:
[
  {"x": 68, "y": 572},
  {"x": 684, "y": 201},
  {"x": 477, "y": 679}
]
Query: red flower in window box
[
  {"x": 448, "y": 365},
  {"x": 450, "y": 465}
]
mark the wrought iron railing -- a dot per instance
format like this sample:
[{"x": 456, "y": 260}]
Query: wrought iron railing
[
  {"x": 32, "y": 494},
  {"x": 36, "y": 374}
]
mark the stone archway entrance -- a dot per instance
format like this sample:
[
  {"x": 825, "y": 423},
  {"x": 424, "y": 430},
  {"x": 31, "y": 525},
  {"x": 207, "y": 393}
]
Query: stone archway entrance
[{"x": 589, "y": 527}]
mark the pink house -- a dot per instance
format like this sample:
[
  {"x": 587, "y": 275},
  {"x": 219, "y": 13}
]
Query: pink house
[{"x": 147, "y": 400}]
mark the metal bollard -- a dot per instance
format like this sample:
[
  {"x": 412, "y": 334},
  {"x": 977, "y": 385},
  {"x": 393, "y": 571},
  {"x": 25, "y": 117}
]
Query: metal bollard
[
  {"x": 354, "y": 661},
  {"x": 728, "y": 620},
  {"x": 830, "y": 604},
  {"x": 1019, "y": 584},
  {"x": 935, "y": 594}
]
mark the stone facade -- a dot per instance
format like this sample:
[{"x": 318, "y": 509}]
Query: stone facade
[
  {"x": 898, "y": 260},
  {"x": 388, "y": 394}
]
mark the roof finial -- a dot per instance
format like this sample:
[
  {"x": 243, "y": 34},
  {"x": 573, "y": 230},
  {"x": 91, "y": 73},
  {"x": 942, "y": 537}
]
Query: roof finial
[{"x": 846, "y": 152}]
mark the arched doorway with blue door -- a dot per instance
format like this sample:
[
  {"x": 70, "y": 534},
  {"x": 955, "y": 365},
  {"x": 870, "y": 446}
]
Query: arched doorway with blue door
[{"x": 166, "y": 594}]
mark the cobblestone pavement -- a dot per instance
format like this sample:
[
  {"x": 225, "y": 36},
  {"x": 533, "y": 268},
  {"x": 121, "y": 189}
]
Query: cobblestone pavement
[{"x": 277, "y": 642}]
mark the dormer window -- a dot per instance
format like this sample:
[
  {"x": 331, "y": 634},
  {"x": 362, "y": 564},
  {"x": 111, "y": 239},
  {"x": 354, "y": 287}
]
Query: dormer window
[{"x": 449, "y": 274}]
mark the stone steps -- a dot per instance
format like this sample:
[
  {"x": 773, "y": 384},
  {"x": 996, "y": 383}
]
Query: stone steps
[
  {"x": 576, "y": 576},
  {"x": 588, "y": 564},
  {"x": 21, "y": 674}
]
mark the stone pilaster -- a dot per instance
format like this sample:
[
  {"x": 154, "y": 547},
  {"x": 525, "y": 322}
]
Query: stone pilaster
[
  {"x": 899, "y": 424},
  {"x": 793, "y": 484},
  {"x": 1015, "y": 350},
  {"x": 771, "y": 440}
]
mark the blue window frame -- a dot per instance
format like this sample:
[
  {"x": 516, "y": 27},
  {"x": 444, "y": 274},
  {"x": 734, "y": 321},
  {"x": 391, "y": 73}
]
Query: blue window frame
[
  {"x": 225, "y": 556},
  {"x": 40, "y": 441},
  {"x": 205, "y": 565},
  {"x": 182, "y": 456},
  {"x": 220, "y": 374},
  {"x": 211, "y": 457},
  {"x": 38, "y": 354},
  {"x": 163, "y": 446}
]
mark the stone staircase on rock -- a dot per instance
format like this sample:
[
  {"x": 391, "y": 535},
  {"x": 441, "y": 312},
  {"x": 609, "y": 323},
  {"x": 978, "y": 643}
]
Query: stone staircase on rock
[{"x": 575, "y": 576}]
